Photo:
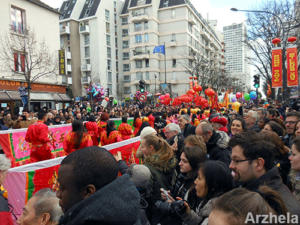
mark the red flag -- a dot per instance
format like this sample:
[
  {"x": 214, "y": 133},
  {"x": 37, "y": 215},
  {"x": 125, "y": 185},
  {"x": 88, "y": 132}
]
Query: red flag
[
  {"x": 277, "y": 67},
  {"x": 292, "y": 67}
]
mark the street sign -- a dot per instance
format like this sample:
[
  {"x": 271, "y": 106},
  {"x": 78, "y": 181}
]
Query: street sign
[{"x": 142, "y": 97}]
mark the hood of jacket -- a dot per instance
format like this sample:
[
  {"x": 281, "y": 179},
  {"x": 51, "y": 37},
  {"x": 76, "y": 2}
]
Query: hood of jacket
[
  {"x": 218, "y": 138},
  {"x": 114, "y": 204},
  {"x": 162, "y": 165}
]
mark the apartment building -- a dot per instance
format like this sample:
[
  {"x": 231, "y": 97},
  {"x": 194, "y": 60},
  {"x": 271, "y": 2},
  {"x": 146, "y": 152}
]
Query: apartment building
[
  {"x": 18, "y": 19},
  {"x": 175, "y": 24},
  {"x": 89, "y": 35},
  {"x": 236, "y": 53}
]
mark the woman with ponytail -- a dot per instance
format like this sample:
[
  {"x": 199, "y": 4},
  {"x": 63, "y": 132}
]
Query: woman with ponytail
[
  {"x": 110, "y": 135},
  {"x": 77, "y": 138},
  {"x": 241, "y": 206},
  {"x": 159, "y": 158}
]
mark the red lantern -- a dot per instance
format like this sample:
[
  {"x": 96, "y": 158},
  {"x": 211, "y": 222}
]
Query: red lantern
[
  {"x": 209, "y": 92},
  {"x": 106, "y": 99},
  {"x": 276, "y": 41},
  {"x": 190, "y": 92},
  {"x": 238, "y": 95},
  {"x": 191, "y": 78},
  {"x": 197, "y": 88},
  {"x": 292, "y": 39}
]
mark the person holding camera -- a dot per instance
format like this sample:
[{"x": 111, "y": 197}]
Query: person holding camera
[
  {"x": 190, "y": 158},
  {"x": 214, "y": 179}
]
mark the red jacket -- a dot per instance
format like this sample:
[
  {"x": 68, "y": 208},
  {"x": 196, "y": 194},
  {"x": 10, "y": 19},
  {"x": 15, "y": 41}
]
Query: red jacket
[
  {"x": 92, "y": 129},
  {"x": 125, "y": 130},
  {"x": 69, "y": 142}
]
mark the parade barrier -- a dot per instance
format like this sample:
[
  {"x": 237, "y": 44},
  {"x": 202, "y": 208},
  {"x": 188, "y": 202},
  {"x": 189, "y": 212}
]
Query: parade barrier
[
  {"x": 23, "y": 181},
  {"x": 18, "y": 150}
]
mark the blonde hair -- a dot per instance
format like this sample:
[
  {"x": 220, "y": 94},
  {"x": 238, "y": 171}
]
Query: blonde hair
[
  {"x": 161, "y": 147},
  {"x": 196, "y": 140}
]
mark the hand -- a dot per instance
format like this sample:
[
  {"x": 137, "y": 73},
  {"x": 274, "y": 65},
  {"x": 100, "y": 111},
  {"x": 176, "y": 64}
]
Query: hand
[
  {"x": 168, "y": 198},
  {"x": 118, "y": 156},
  {"x": 187, "y": 207},
  {"x": 174, "y": 147}
]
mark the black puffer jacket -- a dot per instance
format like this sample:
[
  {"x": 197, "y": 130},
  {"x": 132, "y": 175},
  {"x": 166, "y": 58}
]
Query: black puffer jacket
[
  {"x": 217, "y": 148},
  {"x": 114, "y": 204}
]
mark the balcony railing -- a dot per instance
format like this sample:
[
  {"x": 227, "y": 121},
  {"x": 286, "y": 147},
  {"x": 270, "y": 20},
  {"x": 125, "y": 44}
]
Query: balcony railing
[
  {"x": 84, "y": 29},
  {"x": 86, "y": 67},
  {"x": 65, "y": 30}
]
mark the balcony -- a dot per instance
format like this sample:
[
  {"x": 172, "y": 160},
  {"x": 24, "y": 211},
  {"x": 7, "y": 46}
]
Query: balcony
[
  {"x": 172, "y": 43},
  {"x": 65, "y": 30},
  {"x": 139, "y": 18},
  {"x": 69, "y": 68},
  {"x": 68, "y": 55},
  {"x": 191, "y": 21},
  {"x": 86, "y": 67},
  {"x": 85, "y": 80},
  {"x": 84, "y": 29},
  {"x": 140, "y": 55}
]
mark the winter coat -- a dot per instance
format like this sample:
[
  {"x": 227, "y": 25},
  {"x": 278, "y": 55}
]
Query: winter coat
[
  {"x": 116, "y": 203},
  {"x": 295, "y": 180},
  {"x": 5, "y": 215},
  {"x": 273, "y": 180},
  {"x": 162, "y": 176},
  {"x": 200, "y": 215},
  {"x": 217, "y": 147}
]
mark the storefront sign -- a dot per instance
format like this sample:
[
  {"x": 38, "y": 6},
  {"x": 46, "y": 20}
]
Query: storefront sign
[
  {"x": 62, "y": 62},
  {"x": 14, "y": 86}
]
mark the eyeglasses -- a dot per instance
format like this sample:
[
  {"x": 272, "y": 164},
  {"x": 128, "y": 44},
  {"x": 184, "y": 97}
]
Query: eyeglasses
[
  {"x": 237, "y": 161},
  {"x": 291, "y": 122}
]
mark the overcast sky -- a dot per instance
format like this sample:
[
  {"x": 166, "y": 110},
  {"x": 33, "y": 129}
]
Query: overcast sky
[{"x": 213, "y": 9}]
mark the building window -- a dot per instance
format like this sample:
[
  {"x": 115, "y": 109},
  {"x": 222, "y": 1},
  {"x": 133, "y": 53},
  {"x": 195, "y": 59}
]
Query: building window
[
  {"x": 125, "y": 55},
  {"x": 147, "y": 75},
  {"x": 138, "y": 38},
  {"x": 127, "y": 78},
  {"x": 146, "y": 38},
  {"x": 19, "y": 62},
  {"x": 127, "y": 90},
  {"x": 147, "y": 62},
  {"x": 108, "y": 40},
  {"x": 139, "y": 76},
  {"x": 18, "y": 20},
  {"x": 107, "y": 27},
  {"x": 87, "y": 52},
  {"x": 126, "y": 67},
  {"x": 109, "y": 86},
  {"x": 106, "y": 15},
  {"x": 173, "y": 37},
  {"x": 138, "y": 27},
  {"x": 124, "y": 20},
  {"x": 174, "y": 63},
  {"x": 109, "y": 77},
  {"x": 190, "y": 26},
  {"x": 86, "y": 39},
  {"x": 125, "y": 44},
  {"x": 108, "y": 64},
  {"x": 124, "y": 32},
  {"x": 141, "y": 2},
  {"x": 138, "y": 64},
  {"x": 108, "y": 52},
  {"x": 146, "y": 25},
  {"x": 173, "y": 13},
  {"x": 166, "y": 3}
]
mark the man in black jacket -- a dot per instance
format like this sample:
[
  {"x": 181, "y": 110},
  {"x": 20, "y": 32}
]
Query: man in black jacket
[
  {"x": 185, "y": 125},
  {"x": 216, "y": 142},
  {"x": 91, "y": 192},
  {"x": 252, "y": 164}
]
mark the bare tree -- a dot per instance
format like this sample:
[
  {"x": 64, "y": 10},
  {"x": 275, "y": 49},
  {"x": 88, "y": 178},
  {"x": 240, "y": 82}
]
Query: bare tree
[
  {"x": 209, "y": 73},
  {"x": 277, "y": 19},
  {"x": 24, "y": 56}
]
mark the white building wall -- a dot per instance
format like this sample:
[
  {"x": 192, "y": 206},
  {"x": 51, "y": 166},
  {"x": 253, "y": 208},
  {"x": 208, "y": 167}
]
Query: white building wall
[{"x": 43, "y": 22}]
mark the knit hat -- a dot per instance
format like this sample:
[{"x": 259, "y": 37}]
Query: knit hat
[
  {"x": 147, "y": 131},
  {"x": 140, "y": 175}
]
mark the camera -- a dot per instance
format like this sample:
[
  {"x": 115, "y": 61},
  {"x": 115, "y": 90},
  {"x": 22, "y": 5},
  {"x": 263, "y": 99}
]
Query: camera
[{"x": 164, "y": 207}]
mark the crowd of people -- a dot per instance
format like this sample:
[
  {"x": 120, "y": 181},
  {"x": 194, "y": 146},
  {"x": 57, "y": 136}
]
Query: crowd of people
[{"x": 198, "y": 166}]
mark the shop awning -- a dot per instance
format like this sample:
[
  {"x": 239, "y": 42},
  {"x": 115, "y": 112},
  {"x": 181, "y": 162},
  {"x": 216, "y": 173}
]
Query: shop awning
[
  {"x": 14, "y": 95},
  {"x": 65, "y": 97},
  {"x": 4, "y": 96},
  {"x": 35, "y": 96}
]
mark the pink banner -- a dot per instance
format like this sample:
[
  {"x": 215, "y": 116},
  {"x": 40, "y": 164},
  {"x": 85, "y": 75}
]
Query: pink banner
[{"x": 23, "y": 181}]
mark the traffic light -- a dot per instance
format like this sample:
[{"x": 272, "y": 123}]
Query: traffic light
[
  {"x": 142, "y": 86},
  {"x": 256, "y": 81}
]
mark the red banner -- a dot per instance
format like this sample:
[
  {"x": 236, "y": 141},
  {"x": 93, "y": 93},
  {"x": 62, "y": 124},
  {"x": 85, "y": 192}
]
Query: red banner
[
  {"x": 292, "y": 67},
  {"x": 276, "y": 68}
]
